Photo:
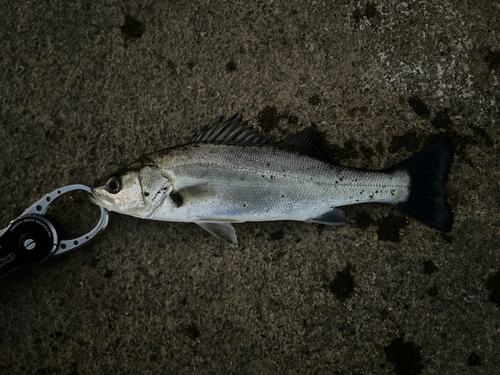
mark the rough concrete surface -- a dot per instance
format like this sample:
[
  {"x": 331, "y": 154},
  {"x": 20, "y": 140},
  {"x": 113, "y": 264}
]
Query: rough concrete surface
[{"x": 86, "y": 87}]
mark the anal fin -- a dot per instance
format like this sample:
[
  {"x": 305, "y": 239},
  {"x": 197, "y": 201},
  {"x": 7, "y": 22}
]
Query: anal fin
[
  {"x": 223, "y": 231},
  {"x": 333, "y": 217}
]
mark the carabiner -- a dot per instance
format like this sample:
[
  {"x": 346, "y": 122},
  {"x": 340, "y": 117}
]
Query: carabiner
[
  {"x": 32, "y": 238},
  {"x": 41, "y": 207}
]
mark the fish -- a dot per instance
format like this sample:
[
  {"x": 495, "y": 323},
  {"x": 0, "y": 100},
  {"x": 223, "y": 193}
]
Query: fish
[{"x": 230, "y": 174}]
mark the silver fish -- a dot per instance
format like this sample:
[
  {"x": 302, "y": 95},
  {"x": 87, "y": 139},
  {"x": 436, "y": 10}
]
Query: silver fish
[{"x": 231, "y": 174}]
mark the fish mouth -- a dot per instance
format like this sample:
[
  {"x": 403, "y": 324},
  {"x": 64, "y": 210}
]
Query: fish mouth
[{"x": 100, "y": 200}]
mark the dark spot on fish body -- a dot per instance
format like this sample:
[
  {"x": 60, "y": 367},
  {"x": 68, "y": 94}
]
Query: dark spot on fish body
[
  {"x": 474, "y": 359},
  {"x": 314, "y": 100},
  {"x": 389, "y": 226},
  {"x": 230, "y": 66},
  {"x": 493, "y": 286},
  {"x": 132, "y": 28},
  {"x": 419, "y": 107},
  {"x": 342, "y": 286},
  {"x": 432, "y": 291},
  {"x": 429, "y": 267},
  {"x": 146, "y": 194}
]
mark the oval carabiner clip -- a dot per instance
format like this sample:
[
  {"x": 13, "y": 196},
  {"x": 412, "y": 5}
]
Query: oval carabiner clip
[{"x": 41, "y": 207}]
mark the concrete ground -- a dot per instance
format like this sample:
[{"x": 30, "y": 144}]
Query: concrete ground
[{"x": 86, "y": 87}]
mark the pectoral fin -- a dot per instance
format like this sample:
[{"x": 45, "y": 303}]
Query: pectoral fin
[
  {"x": 333, "y": 217},
  {"x": 223, "y": 231}
]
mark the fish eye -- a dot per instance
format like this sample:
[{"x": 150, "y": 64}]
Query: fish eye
[{"x": 114, "y": 185}]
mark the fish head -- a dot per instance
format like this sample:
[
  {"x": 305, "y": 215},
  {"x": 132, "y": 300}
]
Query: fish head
[{"x": 136, "y": 190}]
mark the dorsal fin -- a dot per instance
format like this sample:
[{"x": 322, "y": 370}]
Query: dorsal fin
[
  {"x": 309, "y": 142},
  {"x": 233, "y": 130}
]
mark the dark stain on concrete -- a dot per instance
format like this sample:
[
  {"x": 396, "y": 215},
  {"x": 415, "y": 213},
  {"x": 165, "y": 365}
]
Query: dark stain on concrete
[
  {"x": 493, "y": 60},
  {"x": 389, "y": 226},
  {"x": 384, "y": 314},
  {"x": 292, "y": 119},
  {"x": 48, "y": 371},
  {"x": 369, "y": 11},
  {"x": 429, "y": 267},
  {"x": 171, "y": 65},
  {"x": 363, "y": 220},
  {"x": 276, "y": 236},
  {"x": 231, "y": 67},
  {"x": 356, "y": 111},
  {"x": 108, "y": 273},
  {"x": 367, "y": 152},
  {"x": 442, "y": 120},
  {"x": 409, "y": 141},
  {"x": 493, "y": 286},
  {"x": 132, "y": 28},
  {"x": 474, "y": 359},
  {"x": 346, "y": 152},
  {"x": 314, "y": 100},
  {"x": 447, "y": 238},
  {"x": 192, "y": 331},
  {"x": 342, "y": 286},
  {"x": 432, "y": 291},
  {"x": 268, "y": 118},
  {"x": 405, "y": 357},
  {"x": 419, "y": 107},
  {"x": 482, "y": 134}
]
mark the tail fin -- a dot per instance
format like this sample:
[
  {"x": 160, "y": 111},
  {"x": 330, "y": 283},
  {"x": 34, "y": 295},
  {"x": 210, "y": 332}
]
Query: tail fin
[{"x": 428, "y": 171}]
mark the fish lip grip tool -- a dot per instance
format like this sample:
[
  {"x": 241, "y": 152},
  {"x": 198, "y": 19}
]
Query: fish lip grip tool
[{"x": 32, "y": 237}]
